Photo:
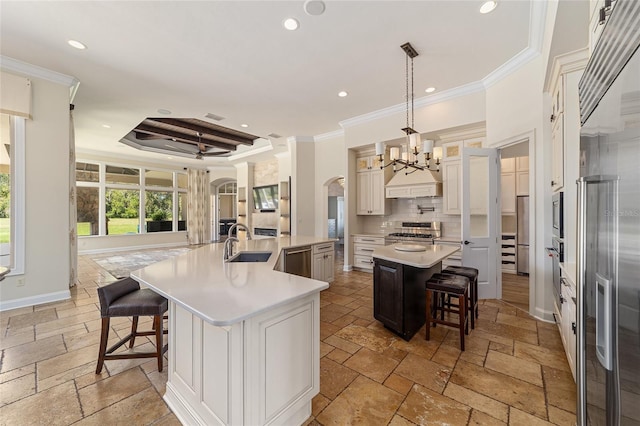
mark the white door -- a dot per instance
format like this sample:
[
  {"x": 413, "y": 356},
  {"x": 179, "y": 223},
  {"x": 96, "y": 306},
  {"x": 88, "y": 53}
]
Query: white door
[{"x": 480, "y": 217}]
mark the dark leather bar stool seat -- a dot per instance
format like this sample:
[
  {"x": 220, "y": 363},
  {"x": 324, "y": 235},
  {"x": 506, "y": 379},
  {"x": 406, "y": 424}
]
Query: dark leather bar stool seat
[
  {"x": 447, "y": 285},
  {"x": 472, "y": 274},
  {"x": 125, "y": 298}
]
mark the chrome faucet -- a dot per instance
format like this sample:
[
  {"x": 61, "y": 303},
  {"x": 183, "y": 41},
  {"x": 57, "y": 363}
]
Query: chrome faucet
[
  {"x": 228, "y": 248},
  {"x": 241, "y": 225}
]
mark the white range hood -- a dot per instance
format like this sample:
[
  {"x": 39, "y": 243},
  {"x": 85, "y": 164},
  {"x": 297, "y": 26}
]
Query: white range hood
[{"x": 420, "y": 183}]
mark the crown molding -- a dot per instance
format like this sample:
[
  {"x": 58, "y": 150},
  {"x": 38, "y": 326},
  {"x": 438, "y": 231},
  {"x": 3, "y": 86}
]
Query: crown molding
[
  {"x": 23, "y": 68},
  {"x": 537, "y": 20},
  {"x": 443, "y": 96},
  {"x": 566, "y": 63},
  {"x": 522, "y": 58},
  {"x": 306, "y": 139},
  {"x": 329, "y": 135}
]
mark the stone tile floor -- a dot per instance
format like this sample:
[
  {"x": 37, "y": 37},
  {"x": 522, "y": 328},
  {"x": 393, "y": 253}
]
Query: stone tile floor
[{"x": 513, "y": 372}]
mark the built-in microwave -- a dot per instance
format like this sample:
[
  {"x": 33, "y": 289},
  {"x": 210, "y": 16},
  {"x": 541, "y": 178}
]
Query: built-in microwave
[{"x": 558, "y": 216}]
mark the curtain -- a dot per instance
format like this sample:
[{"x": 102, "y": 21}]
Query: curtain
[
  {"x": 73, "y": 211},
  {"x": 198, "y": 209}
]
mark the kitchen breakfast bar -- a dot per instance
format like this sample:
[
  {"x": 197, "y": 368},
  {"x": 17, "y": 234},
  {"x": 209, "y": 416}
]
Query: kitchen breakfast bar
[{"x": 243, "y": 337}]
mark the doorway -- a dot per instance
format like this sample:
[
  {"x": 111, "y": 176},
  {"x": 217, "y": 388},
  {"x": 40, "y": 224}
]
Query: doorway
[
  {"x": 515, "y": 218},
  {"x": 335, "y": 214},
  {"x": 223, "y": 206}
]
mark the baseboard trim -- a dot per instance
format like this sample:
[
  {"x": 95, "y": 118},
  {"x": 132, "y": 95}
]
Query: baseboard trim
[
  {"x": 129, "y": 248},
  {"x": 347, "y": 268},
  {"x": 6, "y": 305},
  {"x": 544, "y": 315}
]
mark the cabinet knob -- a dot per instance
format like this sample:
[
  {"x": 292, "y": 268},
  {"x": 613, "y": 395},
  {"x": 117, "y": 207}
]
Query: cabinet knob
[
  {"x": 573, "y": 327},
  {"x": 561, "y": 300},
  {"x": 553, "y": 117},
  {"x": 553, "y": 182}
]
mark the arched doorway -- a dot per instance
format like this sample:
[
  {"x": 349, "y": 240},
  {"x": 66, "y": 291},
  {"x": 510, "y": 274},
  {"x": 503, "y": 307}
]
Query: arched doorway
[{"x": 224, "y": 195}]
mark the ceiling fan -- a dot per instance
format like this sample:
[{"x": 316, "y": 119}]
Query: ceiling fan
[{"x": 199, "y": 153}]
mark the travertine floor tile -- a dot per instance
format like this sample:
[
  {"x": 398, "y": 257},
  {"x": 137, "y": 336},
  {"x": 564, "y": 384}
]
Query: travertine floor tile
[
  {"x": 400, "y": 421},
  {"x": 515, "y": 367},
  {"x": 398, "y": 384},
  {"x": 371, "y": 364},
  {"x": 364, "y": 402},
  {"x": 140, "y": 408},
  {"x": 503, "y": 388},
  {"x": 375, "y": 340},
  {"x": 17, "y": 389},
  {"x": 334, "y": 378},
  {"x": 106, "y": 392},
  {"x": 446, "y": 355},
  {"x": 343, "y": 344},
  {"x": 516, "y": 321},
  {"x": 518, "y": 418},
  {"x": 18, "y": 372},
  {"x": 541, "y": 355},
  {"x": 479, "y": 402},
  {"x": 55, "y": 406},
  {"x": 561, "y": 389},
  {"x": 28, "y": 353},
  {"x": 32, "y": 318},
  {"x": 318, "y": 404},
  {"x": 426, "y": 407},
  {"x": 560, "y": 417},
  {"x": 338, "y": 355},
  {"x": 427, "y": 373},
  {"x": 478, "y": 418}
]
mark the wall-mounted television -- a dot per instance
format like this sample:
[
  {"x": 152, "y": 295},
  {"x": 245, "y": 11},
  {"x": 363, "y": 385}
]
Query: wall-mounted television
[{"x": 265, "y": 198}]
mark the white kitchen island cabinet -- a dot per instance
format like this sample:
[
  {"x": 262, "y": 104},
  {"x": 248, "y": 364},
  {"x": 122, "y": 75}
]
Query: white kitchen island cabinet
[{"x": 244, "y": 339}]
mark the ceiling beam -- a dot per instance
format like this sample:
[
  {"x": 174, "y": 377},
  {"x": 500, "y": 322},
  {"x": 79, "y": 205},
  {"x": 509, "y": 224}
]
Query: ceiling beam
[
  {"x": 218, "y": 135},
  {"x": 164, "y": 133}
]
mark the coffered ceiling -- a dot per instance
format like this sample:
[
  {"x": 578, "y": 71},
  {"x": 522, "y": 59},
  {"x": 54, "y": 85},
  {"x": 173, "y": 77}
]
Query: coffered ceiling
[{"x": 235, "y": 61}]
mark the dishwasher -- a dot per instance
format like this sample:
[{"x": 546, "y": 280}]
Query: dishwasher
[{"x": 297, "y": 261}]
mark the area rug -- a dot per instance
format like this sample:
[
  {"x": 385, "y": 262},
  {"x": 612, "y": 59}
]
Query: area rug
[{"x": 122, "y": 264}]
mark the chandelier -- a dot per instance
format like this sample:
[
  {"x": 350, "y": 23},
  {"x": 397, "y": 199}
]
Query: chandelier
[{"x": 408, "y": 159}]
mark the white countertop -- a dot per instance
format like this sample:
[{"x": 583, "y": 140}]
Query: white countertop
[
  {"x": 224, "y": 293},
  {"x": 419, "y": 259}
]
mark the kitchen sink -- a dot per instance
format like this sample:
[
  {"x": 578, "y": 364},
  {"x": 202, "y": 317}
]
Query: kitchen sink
[{"x": 251, "y": 256}]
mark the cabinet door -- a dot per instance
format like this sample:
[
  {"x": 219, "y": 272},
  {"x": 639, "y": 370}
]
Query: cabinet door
[
  {"x": 377, "y": 195},
  {"x": 317, "y": 268},
  {"x": 522, "y": 164},
  {"x": 388, "y": 294},
  {"x": 451, "y": 187},
  {"x": 451, "y": 151},
  {"x": 329, "y": 259},
  {"x": 507, "y": 165},
  {"x": 363, "y": 193},
  {"x": 557, "y": 159},
  {"x": 508, "y": 193},
  {"x": 522, "y": 183},
  {"x": 363, "y": 164}
]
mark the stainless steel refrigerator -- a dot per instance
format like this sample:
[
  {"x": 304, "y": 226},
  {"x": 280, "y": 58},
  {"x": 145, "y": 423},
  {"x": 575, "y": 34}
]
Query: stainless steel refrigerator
[
  {"x": 608, "y": 257},
  {"x": 522, "y": 237}
]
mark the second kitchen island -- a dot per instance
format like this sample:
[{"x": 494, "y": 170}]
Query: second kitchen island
[{"x": 399, "y": 278}]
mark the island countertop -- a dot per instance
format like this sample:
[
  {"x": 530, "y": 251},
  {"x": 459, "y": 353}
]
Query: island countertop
[
  {"x": 418, "y": 259},
  {"x": 224, "y": 293}
]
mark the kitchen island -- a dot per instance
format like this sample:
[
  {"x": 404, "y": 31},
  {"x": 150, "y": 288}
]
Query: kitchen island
[
  {"x": 243, "y": 337},
  {"x": 399, "y": 279}
]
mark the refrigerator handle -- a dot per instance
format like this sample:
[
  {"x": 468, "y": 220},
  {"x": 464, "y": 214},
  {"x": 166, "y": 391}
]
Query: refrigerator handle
[
  {"x": 604, "y": 319},
  {"x": 581, "y": 230}
]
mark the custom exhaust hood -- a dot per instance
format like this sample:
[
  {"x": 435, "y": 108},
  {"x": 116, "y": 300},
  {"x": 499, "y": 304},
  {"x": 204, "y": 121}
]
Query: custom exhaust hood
[{"x": 423, "y": 184}]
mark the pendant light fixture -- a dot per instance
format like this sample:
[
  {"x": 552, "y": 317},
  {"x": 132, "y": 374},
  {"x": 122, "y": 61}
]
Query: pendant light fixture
[{"x": 408, "y": 157}]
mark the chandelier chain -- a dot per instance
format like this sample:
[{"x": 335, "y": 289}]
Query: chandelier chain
[
  {"x": 412, "y": 124},
  {"x": 406, "y": 74}
]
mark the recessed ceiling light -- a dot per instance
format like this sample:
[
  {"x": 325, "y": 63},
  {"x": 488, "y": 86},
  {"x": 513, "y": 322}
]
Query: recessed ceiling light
[
  {"x": 291, "y": 24},
  {"x": 342, "y": 94},
  {"x": 430, "y": 89},
  {"x": 164, "y": 111},
  {"x": 106, "y": 126},
  {"x": 244, "y": 125},
  {"x": 76, "y": 44},
  {"x": 488, "y": 6}
]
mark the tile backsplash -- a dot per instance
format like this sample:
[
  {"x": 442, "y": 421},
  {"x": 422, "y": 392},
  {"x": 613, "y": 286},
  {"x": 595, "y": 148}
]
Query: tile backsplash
[{"x": 406, "y": 210}]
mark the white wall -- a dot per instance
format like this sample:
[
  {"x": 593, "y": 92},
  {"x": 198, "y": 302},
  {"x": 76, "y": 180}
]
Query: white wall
[
  {"x": 329, "y": 153},
  {"x": 303, "y": 166},
  {"x": 46, "y": 276}
]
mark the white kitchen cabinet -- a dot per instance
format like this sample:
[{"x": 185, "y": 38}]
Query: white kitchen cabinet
[
  {"x": 522, "y": 164},
  {"x": 557, "y": 151},
  {"x": 363, "y": 247},
  {"x": 508, "y": 192},
  {"x": 370, "y": 190},
  {"x": 508, "y": 165},
  {"x": 568, "y": 323},
  {"x": 323, "y": 260},
  {"x": 452, "y": 187},
  {"x": 522, "y": 183}
]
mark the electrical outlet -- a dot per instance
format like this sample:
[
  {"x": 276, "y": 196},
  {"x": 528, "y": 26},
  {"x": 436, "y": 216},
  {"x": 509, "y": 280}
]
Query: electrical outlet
[{"x": 20, "y": 282}]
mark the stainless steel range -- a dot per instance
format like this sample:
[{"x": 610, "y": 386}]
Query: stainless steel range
[{"x": 419, "y": 232}]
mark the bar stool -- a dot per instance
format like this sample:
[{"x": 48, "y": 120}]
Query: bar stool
[
  {"x": 125, "y": 298},
  {"x": 472, "y": 274},
  {"x": 445, "y": 285}
]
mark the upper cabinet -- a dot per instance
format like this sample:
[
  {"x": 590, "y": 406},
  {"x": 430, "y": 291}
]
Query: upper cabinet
[
  {"x": 514, "y": 182},
  {"x": 452, "y": 173},
  {"x": 370, "y": 182}
]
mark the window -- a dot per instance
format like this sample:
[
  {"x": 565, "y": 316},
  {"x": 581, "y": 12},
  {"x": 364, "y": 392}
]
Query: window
[
  {"x": 88, "y": 204},
  {"x": 158, "y": 211},
  {"x": 12, "y": 138},
  {"x": 122, "y": 207},
  {"x": 117, "y": 199}
]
